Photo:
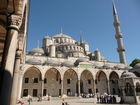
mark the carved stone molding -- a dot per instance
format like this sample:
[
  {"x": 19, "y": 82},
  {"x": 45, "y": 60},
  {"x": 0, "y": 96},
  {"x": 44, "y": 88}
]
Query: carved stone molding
[{"x": 15, "y": 21}]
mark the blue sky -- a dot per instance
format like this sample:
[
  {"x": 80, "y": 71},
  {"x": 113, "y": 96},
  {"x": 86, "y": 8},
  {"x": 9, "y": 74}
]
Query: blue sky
[{"x": 94, "y": 18}]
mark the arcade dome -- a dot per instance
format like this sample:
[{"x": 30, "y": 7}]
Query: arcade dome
[
  {"x": 34, "y": 61},
  {"x": 128, "y": 75},
  {"x": 137, "y": 66}
]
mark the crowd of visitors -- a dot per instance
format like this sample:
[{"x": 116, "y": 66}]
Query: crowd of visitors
[
  {"x": 106, "y": 98},
  {"x": 101, "y": 98},
  {"x": 87, "y": 95}
]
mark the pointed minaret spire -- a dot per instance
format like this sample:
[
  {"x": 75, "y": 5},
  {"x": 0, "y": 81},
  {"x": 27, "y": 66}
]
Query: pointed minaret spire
[
  {"x": 61, "y": 30},
  {"x": 81, "y": 37},
  {"x": 114, "y": 8},
  {"x": 118, "y": 35},
  {"x": 38, "y": 44}
]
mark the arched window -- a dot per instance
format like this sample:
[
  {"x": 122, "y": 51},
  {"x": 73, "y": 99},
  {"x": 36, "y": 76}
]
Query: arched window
[
  {"x": 128, "y": 89},
  {"x": 138, "y": 89}
]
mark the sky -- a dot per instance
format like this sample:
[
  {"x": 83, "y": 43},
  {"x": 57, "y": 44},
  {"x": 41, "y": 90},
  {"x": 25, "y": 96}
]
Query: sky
[{"x": 92, "y": 18}]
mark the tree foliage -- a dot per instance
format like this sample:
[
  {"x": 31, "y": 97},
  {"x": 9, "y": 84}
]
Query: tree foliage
[{"x": 134, "y": 62}]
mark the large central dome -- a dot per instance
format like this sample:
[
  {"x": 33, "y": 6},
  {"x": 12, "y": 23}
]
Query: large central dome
[{"x": 61, "y": 35}]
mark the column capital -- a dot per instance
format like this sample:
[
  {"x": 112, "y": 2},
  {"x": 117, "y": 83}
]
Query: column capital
[
  {"x": 18, "y": 53},
  {"x": 14, "y": 22}
]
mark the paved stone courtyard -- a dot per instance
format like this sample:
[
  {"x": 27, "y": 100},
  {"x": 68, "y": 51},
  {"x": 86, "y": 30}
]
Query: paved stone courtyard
[{"x": 71, "y": 101}]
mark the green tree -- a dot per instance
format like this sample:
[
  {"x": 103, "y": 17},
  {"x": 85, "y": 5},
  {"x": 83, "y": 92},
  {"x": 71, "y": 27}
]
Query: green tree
[{"x": 134, "y": 62}]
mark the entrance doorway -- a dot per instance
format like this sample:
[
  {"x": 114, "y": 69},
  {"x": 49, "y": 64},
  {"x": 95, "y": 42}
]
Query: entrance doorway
[
  {"x": 34, "y": 92},
  {"x": 68, "y": 92}
]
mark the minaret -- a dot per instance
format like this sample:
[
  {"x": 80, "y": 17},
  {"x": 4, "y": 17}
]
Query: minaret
[
  {"x": 118, "y": 36},
  {"x": 81, "y": 37},
  {"x": 38, "y": 46}
]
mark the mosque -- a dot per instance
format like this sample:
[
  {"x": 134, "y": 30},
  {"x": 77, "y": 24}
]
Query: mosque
[
  {"x": 62, "y": 66},
  {"x": 65, "y": 66}
]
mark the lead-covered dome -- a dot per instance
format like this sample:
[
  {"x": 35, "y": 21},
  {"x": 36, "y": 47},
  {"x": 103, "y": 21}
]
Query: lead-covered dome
[
  {"x": 137, "y": 66},
  {"x": 63, "y": 38},
  {"x": 52, "y": 63},
  {"x": 82, "y": 60},
  {"x": 108, "y": 66},
  {"x": 34, "y": 61},
  {"x": 128, "y": 75},
  {"x": 37, "y": 51},
  {"x": 61, "y": 35},
  {"x": 68, "y": 64}
]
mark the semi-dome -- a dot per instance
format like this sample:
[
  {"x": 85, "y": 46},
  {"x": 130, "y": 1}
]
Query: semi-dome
[
  {"x": 68, "y": 64},
  {"x": 52, "y": 63},
  {"x": 137, "y": 66},
  {"x": 38, "y": 51},
  {"x": 34, "y": 61},
  {"x": 61, "y": 35},
  {"x": 128, "y": 75}
]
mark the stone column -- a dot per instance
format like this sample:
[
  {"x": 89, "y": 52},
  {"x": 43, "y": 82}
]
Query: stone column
[
  {"x": 14, "y": 91},
  {"x": 62, "y": 87},
  {"x": 20, "y": 86},
  {"x": 94, "y": 86},
  {"x": 79, "y": 88},
  {"x": 135, "y": 94},
  {"x": 9, "y": 58},
  {"x": 42, "y": 87},
  {"x": 123, "y": 94},
  {"x": 108, "y": 86}
]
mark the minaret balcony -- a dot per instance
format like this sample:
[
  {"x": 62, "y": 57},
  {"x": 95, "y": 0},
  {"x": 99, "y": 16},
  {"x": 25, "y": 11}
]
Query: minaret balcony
[
  {"x": 120, "y": 49},
  {"x": 116, "y": 24},
  {"x": 117, "y": 36}
]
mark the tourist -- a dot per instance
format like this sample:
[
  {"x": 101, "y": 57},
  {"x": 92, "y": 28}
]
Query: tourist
[
  {"x": 21, "y": 102},
  {"x": 39, "y": 98},
  {"x": 63, "y": 101},
  {"x": 98, "y": 97},
  {"x": 114, "y": 99},
  {"x": 29, "y": 101}
]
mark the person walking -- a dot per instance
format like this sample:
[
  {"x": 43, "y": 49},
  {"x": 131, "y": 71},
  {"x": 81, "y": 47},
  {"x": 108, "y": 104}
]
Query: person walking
[
  {"x": 29, "y": 101},
  {"x": 21, "y": 102},
  {"x": 63, "y": 101}
]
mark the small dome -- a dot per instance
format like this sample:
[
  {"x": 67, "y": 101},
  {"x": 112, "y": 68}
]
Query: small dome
[
  {"x": 119, "y": 66},
  {"x": 108, "y": 66},
  {"x": 52, "y": 63},
  {"x": 34, "y": 61},
  {"x": 128, "y": 75},
  {"x": 68, "y": 64},
  {"x": 82, "y": 60},
  {"x": 61, "y": 35},
  {"x": 137, "y": 66},
  {"x": 37, "y": 51},
  {"x": 97, "y": 65},
  {"x": 128, "y": 67}
]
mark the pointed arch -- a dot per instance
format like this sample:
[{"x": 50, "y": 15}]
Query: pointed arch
[
  {"x": 32, "y": 79},
  {"x": 113, "y": 82},
  {"x": 87, "y": 82},
  {"x": 70, "y": 80},
  {"x": 52, "y": 79},
  {"x": 101, "y": 82}
]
